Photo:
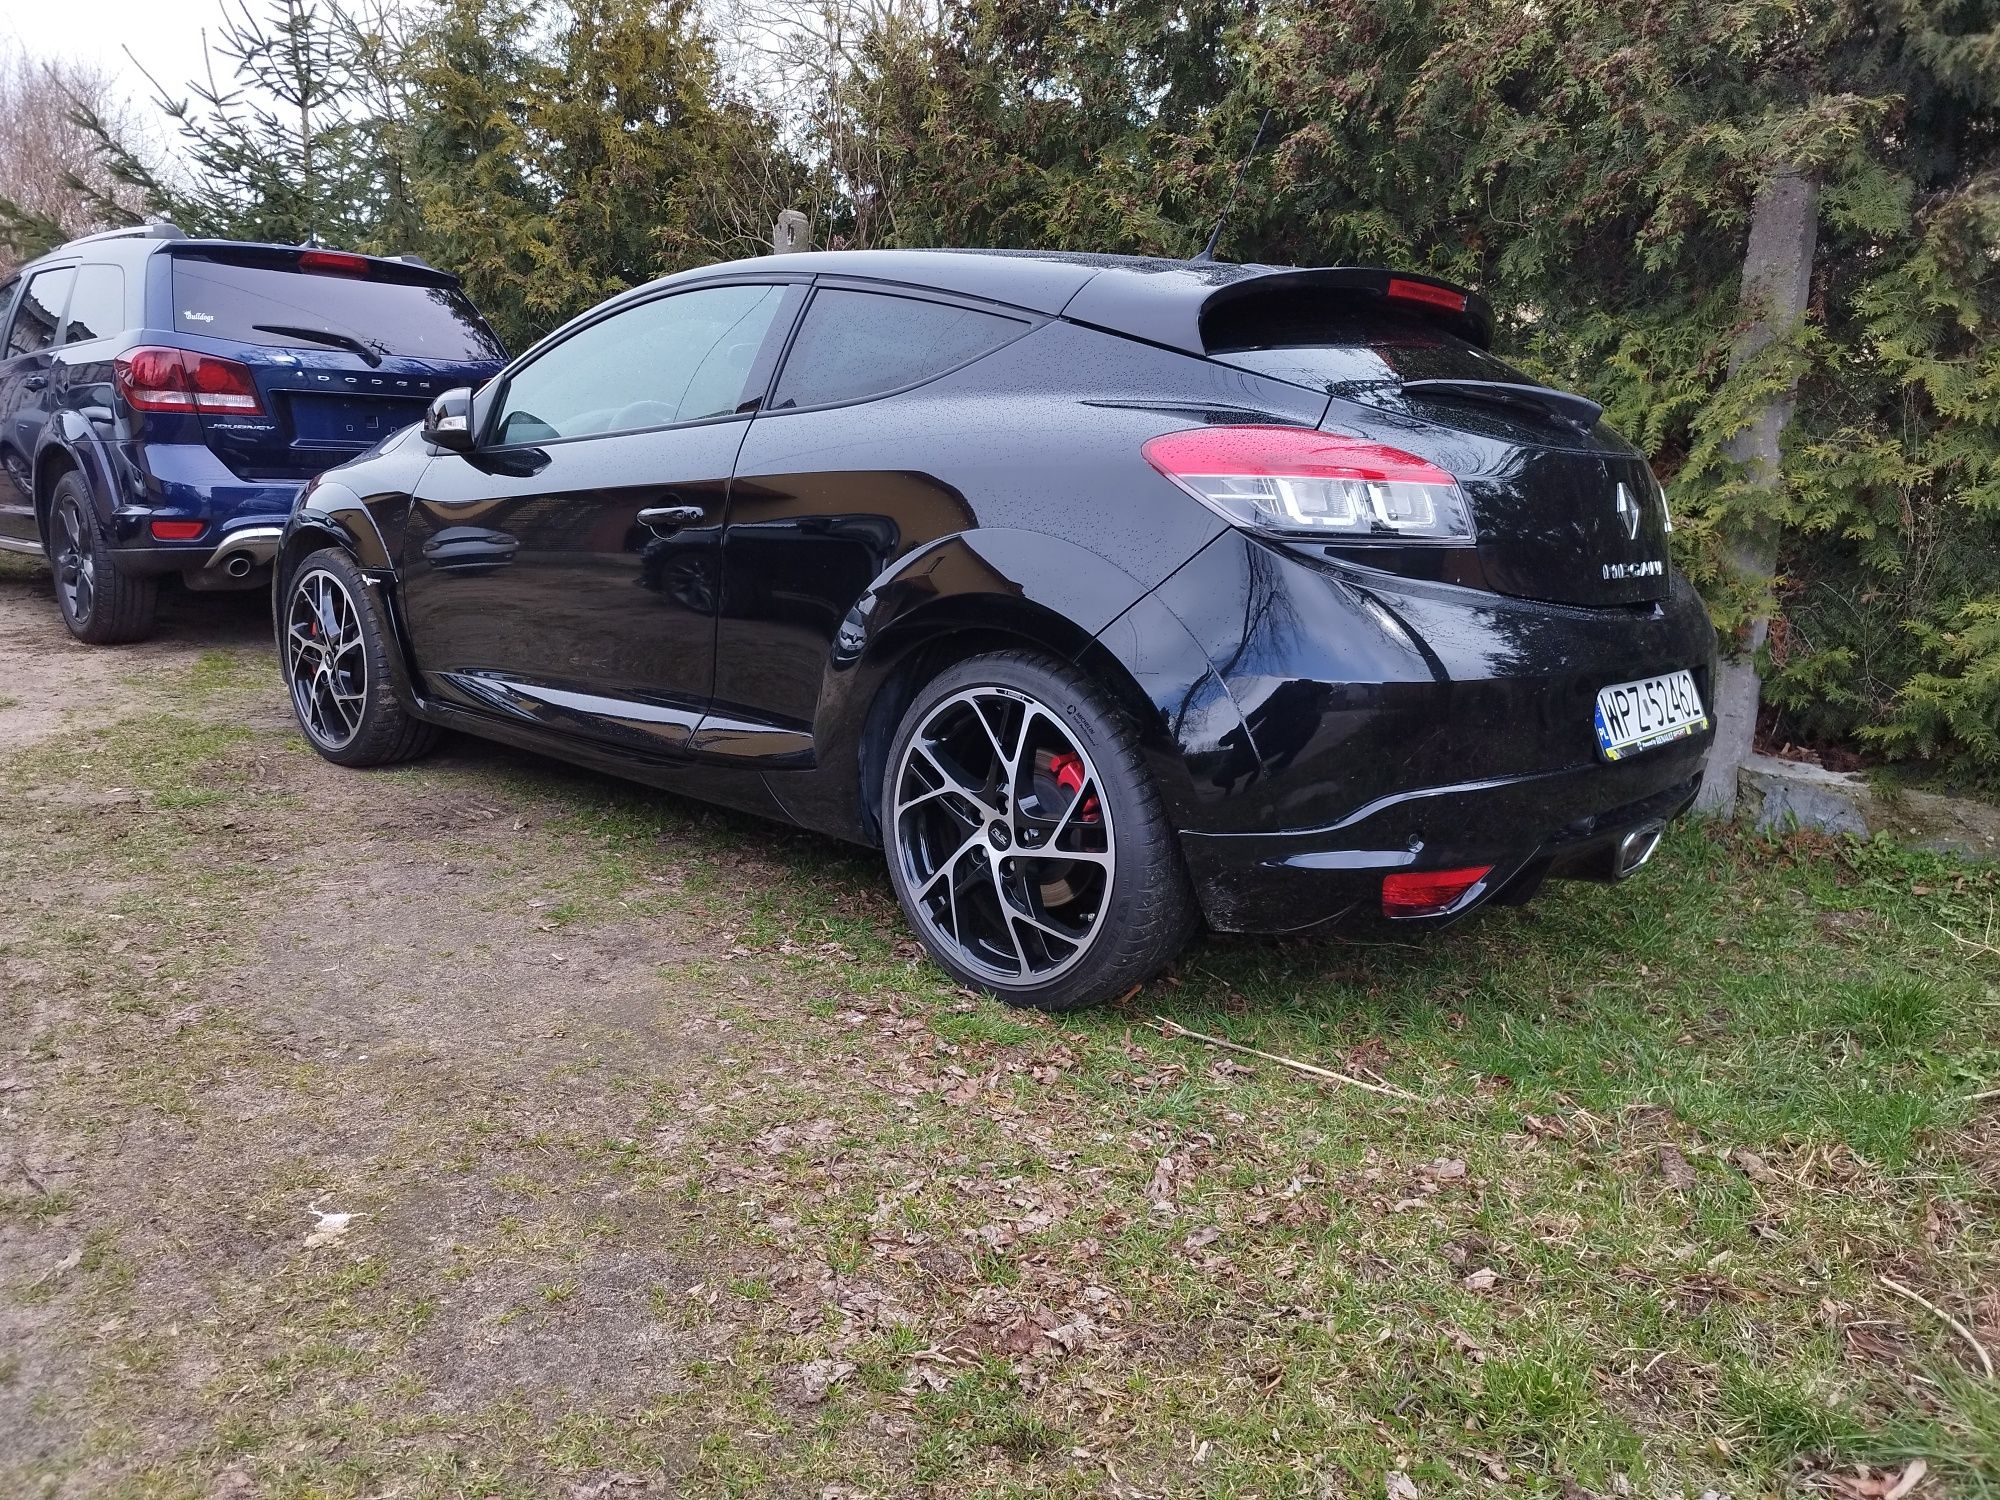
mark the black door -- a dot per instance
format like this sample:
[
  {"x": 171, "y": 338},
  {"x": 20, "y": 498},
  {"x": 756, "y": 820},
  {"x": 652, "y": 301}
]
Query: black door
[
  {"x": 566, "y": 573},
  {"x": 25, "y": 397},
  {"x": 827, "y": 495}
]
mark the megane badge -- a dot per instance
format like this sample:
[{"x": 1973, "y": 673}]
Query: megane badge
[{"x": 1628, "y": 511}]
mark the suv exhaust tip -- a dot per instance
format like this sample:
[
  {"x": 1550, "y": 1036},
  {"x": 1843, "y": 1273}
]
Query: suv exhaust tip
[{"x": 235, "y": 558}]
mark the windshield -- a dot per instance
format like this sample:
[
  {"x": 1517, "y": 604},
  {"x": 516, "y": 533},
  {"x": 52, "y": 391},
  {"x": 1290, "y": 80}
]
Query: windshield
[{"x": 282, "y": 307}]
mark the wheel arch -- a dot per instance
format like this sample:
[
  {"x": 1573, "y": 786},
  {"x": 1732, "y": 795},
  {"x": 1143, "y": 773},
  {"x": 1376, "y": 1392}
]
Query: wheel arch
[
  {"x": 53, "y": 463},
  {"x": 964, "y": 597},
  {"x": 335, "y": 517}
]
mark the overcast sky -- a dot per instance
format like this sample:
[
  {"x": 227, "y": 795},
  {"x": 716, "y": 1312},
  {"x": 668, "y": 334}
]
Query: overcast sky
[{"x": 165, "y": 34}]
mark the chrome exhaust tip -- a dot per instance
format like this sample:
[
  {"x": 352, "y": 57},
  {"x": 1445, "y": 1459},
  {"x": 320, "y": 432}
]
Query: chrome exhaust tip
[
  {"x": 239, "y": 565},
  {"x": 1635, "y": 848}
]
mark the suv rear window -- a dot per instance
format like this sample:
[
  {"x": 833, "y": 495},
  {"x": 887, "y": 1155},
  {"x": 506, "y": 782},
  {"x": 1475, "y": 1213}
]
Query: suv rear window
[
  {"x": 1348, "y": 354},
  {"x": 269, "y": 301}
]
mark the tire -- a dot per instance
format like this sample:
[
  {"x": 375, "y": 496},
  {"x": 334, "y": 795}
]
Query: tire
[
  {"x": 335, "y": 652},
  {"x": 1027, "y": 844},
  {"x": 100, "y": 602}
]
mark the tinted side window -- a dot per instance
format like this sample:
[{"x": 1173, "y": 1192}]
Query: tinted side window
[
  {"x": 41, "y": 305},
  {"x": 855, "y": 344},
  {"x": 97, "y": 306},
  {"x": 674, "y": 359}
]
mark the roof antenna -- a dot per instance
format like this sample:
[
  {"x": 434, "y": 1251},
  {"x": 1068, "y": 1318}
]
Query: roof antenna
[{"x": 1242, "y": 167}]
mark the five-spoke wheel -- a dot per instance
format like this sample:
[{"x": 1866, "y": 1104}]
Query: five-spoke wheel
[
  {"x": 101, "y": 602},
  {"x": 76, "y": 568},
  {"x": 1025, "y": 841}
]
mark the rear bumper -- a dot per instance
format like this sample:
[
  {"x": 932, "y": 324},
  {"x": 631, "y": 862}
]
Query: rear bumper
[
  {"x": 226, "y": 556},
  {"x": 1549, "y": 825}
]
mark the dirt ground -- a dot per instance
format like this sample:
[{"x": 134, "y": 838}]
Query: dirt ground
[{"x": 386, "y": 980}]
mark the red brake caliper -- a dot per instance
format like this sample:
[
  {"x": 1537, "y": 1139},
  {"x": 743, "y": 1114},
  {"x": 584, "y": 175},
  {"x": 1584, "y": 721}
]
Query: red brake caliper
[{"x": 1069, "y": 775}]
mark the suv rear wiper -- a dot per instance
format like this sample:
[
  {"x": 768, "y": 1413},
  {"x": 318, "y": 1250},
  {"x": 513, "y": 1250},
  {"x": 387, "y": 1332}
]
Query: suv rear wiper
[
  {"x": 1581, "y": 410},
  {"x": 320, "y": 336}
]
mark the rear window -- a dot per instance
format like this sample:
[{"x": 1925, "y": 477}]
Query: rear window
[
  {"x": 1346, "y": 354},
  {"x": 271, "y": 302}
]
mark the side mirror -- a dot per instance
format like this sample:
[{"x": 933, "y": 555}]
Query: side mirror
[{"x": 448, "y": 423}]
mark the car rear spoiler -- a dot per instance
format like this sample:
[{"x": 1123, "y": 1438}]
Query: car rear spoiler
[{"x": 1191, "y": 305}]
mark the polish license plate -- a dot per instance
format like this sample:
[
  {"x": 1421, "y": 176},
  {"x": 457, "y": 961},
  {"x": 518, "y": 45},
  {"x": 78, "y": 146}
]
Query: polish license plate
[{"x": 1636, "y": 716}]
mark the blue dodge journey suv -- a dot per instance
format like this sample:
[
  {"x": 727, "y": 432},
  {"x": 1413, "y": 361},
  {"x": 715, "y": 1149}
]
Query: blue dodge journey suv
[{"x": 164, "y": 399}]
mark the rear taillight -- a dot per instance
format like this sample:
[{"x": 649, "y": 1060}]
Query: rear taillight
[
  {"x": 177, "y": 531},
  {"x": 156, "y": 379},
  {"x": 1299, "y": 481},
  {"x": 1429, "y": 893}
]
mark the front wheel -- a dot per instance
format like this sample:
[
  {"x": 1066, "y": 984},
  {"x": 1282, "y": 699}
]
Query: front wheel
[
  {"x": 336, "y": 659},
  {"x": 1027, "y": 844}
]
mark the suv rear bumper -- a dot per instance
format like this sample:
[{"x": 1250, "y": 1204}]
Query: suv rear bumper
[
  {"x": 1548, "y": 825},
  {"x": 232, "y": 556}
]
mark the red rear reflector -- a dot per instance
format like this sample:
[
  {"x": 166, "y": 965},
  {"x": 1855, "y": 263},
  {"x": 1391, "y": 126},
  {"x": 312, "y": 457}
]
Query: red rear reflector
[
  {"x": 1304, "y": 452},
  {"x": 156, "y": 379},
  {"x": 1425, "y": 893},
  {"x": 1404, "y": 290},
  {"x": 333, "y": 262},
  {"x": 177, "y": 531}
]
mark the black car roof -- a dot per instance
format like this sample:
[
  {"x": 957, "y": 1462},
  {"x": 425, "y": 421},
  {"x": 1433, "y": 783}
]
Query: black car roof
[{"x": 1152, "y": 298}]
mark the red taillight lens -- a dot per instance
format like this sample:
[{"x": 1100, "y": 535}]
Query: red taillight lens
[
  {"x": 1425, "y": 893},
  {"x": 333, "y": 262},
  {"x": 1401, "y": 289},
  {"x": 177, "y": 531},
  {"x": 222, "y": 385},
  {"x": 1300, "y": 481},
  {"x": 154, "y": 379}
]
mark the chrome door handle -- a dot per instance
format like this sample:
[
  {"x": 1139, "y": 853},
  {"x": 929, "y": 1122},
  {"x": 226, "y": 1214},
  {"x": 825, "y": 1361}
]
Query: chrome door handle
[{"x": 670, "y": 517}]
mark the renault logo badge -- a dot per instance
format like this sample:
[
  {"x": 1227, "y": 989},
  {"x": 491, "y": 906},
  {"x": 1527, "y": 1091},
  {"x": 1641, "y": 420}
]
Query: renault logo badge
[{"x": 1628, "y": 511}]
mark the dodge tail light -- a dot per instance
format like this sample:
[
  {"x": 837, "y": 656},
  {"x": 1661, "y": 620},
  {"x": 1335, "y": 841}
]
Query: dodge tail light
[
  {"x": 158, "y": 379},
  {"x": 1301, "y": 482}
]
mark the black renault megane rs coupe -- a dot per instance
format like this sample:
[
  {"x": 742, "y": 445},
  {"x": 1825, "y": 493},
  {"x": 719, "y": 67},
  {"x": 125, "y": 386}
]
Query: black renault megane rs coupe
[{"x": 1105, "y": 595}]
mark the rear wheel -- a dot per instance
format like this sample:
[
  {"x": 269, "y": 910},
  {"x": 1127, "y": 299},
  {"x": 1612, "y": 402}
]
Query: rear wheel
[
  {"x": 336, "y": 649},
  {"x": 100, "y": 603},
  {"x": 1027, "y": 844}
]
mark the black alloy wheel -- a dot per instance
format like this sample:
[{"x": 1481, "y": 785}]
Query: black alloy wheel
[
  {"x": 1026, "y": 843},
  {"x": 336, "y": 663},
  {"x": 100, "y": 602}
]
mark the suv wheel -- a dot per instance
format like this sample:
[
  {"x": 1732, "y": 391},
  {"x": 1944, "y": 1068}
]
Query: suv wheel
[
  {"x": 1027, "y": 844},
  {"x": 100, "y": 603},
  {"x": 336, "y": 666}
]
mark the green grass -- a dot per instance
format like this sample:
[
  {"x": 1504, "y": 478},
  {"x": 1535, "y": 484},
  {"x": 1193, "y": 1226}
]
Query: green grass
[{"x": 959, "y": 1207}]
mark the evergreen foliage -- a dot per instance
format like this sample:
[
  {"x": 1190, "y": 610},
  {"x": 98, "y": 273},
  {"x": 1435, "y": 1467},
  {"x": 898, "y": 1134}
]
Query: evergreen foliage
[{"x": 1589, "y": 163}]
